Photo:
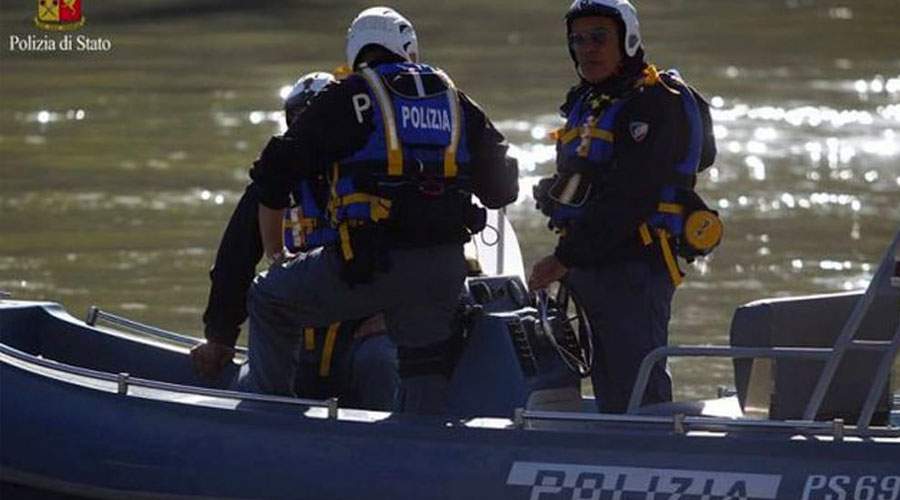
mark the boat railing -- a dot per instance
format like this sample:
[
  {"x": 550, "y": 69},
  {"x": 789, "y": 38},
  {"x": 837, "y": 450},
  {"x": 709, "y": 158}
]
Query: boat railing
[
  {"x": 124, "y": 382},
  {"x": 683, "y": 424},
  {"x": 885, "y": 285},
  {"x": 95, "y": 314},
  {"x": 679, "y": 423},
  {"x": 808, "y": 353}
]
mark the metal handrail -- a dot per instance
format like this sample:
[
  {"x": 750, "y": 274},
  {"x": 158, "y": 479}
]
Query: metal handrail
[
  {"x": 660, "y": 353},
  {"x": 813, "y": 353},
  {"x": 95, "y": 313},
  {"x": 850, "y": 329},
  {"x": 124, "y": 380},
  {"x": 682, "y": 423}
]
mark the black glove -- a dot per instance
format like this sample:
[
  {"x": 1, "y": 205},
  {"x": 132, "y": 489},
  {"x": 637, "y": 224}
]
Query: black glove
[{"x": 541, "y": 193}]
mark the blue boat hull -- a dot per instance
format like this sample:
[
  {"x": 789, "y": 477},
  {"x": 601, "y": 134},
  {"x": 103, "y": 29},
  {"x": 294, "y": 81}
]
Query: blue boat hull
[{"x": 72, "y": 434}]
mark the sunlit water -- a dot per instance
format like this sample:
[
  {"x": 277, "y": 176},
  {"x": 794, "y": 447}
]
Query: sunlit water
[{"x": 119, "y": 170}]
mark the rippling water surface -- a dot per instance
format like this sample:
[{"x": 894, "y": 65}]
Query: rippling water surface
[{"x": 118, "y": 170}]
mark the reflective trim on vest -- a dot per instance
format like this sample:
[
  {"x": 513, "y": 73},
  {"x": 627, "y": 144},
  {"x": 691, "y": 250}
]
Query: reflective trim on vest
[
  {"x": 423, "y": 132},
  {"x": 451, "y": 169},
  {"x": 328, "y": 350},
  {"x": 418, "y": 138},
  {"x": 579, "y": 126},
  {"x": 392, "y": 141},
  {"x": 305, "y": 226}
]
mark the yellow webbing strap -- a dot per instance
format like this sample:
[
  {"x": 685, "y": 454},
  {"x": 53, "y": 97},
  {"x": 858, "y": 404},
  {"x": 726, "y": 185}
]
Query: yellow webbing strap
[
  {"x": 328, "y": 349},
  {"x": 595, "y": 133},
  {"x": 346, "y": 248},
  {"x": 604, "y": 135},
  {"x": 644, "y": 231},
  {"x": 451, "y": 169},
  {"x": 669, "y": 257},
  {"x": 394, "y": 151},
  {"x": 567, "y": 136},
  {"x": 380, "y": 208},
  {"x": 651, "y": 76},
  {"x": 670, "y": 208},
  {"x": 309, "y": 339}
]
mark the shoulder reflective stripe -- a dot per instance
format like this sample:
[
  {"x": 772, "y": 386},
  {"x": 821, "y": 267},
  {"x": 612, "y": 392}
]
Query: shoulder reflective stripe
[
  {"x": 669, "y": 257},
  {"x": 644, "y": 230},
  {"x": 395, "y": 154},
  {"x": 451, "y": 169},
  {"x": 417, "y": 78},
  {"x": 346, "y": 248},
  {"x": 328, "y": 350},
  {"x": 671, "y": 208},
  {"x": 309, "y": 339}
]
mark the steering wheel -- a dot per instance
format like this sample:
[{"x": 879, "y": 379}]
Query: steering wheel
[{"x": 567, "y": 328}]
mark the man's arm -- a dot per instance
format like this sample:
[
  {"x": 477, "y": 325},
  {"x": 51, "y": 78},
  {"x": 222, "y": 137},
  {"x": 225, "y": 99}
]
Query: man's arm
[
  {"x": 495, "y": 176},
  {"x": 270, "y": 231}
]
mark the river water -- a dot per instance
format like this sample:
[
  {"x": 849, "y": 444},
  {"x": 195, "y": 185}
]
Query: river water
[{"x": 119, "y": 167}]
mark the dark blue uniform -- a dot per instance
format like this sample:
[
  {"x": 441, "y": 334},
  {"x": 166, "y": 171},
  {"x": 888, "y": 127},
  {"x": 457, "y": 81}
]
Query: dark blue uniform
[
  {"x": 623, "y": 144},
  {"x": 403, "y": 152}
]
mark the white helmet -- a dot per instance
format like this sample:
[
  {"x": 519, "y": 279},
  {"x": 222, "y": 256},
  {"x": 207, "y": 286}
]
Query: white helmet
[
  {"x": 619, "y": 9},
  {"x": 385, "y": 27},
  {"x": 307, "y": 87}
]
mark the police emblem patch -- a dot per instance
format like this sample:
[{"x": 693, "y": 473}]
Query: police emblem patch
[{"x": 639, "y": 130}]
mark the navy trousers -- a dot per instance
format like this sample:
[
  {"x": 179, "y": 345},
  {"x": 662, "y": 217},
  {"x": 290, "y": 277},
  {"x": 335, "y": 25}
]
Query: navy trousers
[{"x": 629, "y": 305}]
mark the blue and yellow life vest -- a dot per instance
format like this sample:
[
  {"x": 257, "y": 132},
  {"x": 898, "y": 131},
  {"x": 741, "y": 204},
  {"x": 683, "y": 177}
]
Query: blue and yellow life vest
[
  {"x": 418, "y": 141},
  {"x": 586, "y": 149},
  {"x": 306, "y": 225}
]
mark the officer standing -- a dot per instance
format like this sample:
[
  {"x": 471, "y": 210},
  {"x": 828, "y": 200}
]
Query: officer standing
[
  {"x": 627, "y": 160},
  {"x": 352, "y": 360},
  {"x": 404, "y": 151}
]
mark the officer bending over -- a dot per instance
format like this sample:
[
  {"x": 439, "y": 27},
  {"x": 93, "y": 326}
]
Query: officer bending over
[
  {"x": 403, "y": 151},
  {"x": 352, "y": 360},
  {"x": 627, "y": 160}
]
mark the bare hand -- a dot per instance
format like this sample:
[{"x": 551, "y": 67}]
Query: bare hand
[
  {"x": 546, "y": 271},
  {"x": 210, "y": 359}
]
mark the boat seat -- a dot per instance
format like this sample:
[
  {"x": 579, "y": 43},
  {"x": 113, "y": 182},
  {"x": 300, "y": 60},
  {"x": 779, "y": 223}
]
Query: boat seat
[{"x": 781, "y": 389}]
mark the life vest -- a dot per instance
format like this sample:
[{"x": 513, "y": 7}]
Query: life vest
[
  {"x": 586, "y": 151},
  {"x": 418, "y": 149},
  {"x": 305, "y": 224}
]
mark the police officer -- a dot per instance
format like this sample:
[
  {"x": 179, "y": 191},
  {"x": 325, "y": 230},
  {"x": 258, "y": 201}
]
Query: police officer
[
  {"x": 352, "y": 360},
  {"x": 403, "y": 150},
  {"x": 627, "y": 158}
]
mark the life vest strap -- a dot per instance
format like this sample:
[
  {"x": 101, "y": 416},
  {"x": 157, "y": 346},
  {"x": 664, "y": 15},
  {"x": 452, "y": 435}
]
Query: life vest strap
[
  {"x": 344, "y": 236},
  {"x": 309, "y": 339},
  {"x": 392, "y": 140},
  {"x": 669, "y": 257},
  {"x": 646, "y": 237},
  {"x": 379, "y": 208},
  {"x": 451, "y": 168},
  {"x": 566, "y": 136},
  {"x": 328, "y": 349},
  {"x": 670, "y": 208}
]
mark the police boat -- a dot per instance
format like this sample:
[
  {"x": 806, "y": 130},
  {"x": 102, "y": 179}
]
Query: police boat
[{"x": 110, "y": 408}]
